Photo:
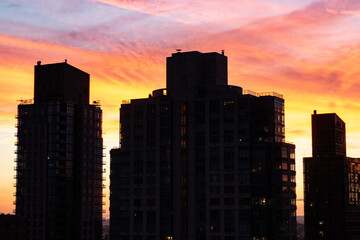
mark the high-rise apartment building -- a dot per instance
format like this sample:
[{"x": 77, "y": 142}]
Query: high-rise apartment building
[
  {"x": 331, "y": 183},
  {"x": 202, "y": 160},
  {"x": 59, "y": 157}
]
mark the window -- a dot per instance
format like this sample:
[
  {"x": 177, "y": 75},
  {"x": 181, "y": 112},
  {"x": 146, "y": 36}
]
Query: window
[
  {"x": 214, "y": 159},
  {"x": 292, "y": 178},
  {"x": 284, "y": 166},
  {"x": 228, "y": 178},
  {"x": 137, "y": 202},
  {"x": 214, "y": 201},
  {"x": 124, "y": 203},
  {"x": 183, "y": 143},
  {"x": 138, "y": 163},
  {"x": 151, "y": 180},
  {"x": 138, "y": 223},
  {"x": 228, "y": 159},
  {"x": 229, "y": 201},
  {"x": 164, "y": 108},
  {"x": 138, "y": 180},
  {"x": 199, "y": 106},
  {"x": 151, "y": 221},
  {"x": 284, "y": 153},
  {"x": 150, "y": 202},
  {"x": 151, "y": 191},
  {"x": 138, "y": 191},
  {"x": 229, "y": 220},
  {"x": 244, "y": 178},
  {"x": 244, "y": 153},
  {"x": 284, "y": 178},
  {"x": 228, "y": 189},
  {"x": 292, "y": 166},
  {"x": 124, "y": 192},
  {"x": 214, "y": 178},
  {"x": 214, "y": 106},
  {"x": 214, "y": 189},
  {"x": 243, "y": 164},
  {"x": 151, "y": 163}
]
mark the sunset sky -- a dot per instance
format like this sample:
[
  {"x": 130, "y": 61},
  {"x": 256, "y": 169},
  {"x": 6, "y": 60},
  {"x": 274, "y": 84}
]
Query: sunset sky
[{"x": 309, "y": 51}]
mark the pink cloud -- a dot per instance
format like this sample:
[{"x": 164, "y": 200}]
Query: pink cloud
[{"x": 215, "y": 14}]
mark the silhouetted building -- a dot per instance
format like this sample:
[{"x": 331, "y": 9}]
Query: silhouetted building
[
  {"x": 202, "y": 160},
  {"x": 13, "y": 227},
  {"x": 331, "y": 183},
  {"x": 59, "y": 157}
]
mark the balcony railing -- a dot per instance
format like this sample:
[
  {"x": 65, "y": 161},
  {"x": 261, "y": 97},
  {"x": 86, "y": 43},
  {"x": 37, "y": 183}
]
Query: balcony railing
[
  {"x": 273, "y": 94},
  {"x": 26, "y": 101}
]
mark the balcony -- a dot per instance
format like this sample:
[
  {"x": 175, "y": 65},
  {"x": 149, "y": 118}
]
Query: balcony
[
  {"x": 26, "y": 101},
  {"x": 273, "y": 94}
]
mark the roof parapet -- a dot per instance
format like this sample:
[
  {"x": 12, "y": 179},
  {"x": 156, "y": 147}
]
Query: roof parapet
[{"x": 273, "y": 94}]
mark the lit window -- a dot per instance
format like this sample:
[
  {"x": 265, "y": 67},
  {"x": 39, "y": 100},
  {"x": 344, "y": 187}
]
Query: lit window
[
  {"x": 183, "y": 120},
  {"x": 183, "y": 131},
  {"x": 292, "y": 179},
  {"x": 292, "y": 166},
  {"x": 183, "y": 108},
  {"x": 284, "y": 178},
  {"x": 284, "y": 166},
  {"x": 228, "y": 102}
]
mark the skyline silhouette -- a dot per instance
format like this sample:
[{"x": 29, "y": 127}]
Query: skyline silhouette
[{"x": 307, "y": 51}]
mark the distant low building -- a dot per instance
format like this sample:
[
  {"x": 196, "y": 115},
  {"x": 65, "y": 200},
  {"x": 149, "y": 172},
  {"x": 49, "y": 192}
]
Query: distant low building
[
  {"x": 300, "y": 228},
  {"x": 13, "y": 227},
  {"x": 331, "y": 183}
]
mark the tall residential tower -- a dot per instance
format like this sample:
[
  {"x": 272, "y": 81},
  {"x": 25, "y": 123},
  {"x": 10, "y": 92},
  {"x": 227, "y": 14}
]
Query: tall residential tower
[
  {"x": 202, "y": 160},
  {"x": 331, "y": 183},
  {"x": 59, "y": 157}
]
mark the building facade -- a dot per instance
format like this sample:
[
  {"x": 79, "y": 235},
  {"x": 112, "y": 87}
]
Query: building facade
[
  {"x": 13, "y": 227},
  {"x": 202, "y": 160},
  {"x": 331, "y": 183},
  {"x": 59, "y": 157}
]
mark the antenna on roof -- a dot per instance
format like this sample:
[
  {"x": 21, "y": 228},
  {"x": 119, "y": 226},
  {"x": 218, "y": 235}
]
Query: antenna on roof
[
  {"x": 65, "y": 60},
  {"x": 222, "y": 52},
  {"x": 178, "y": 50}
]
